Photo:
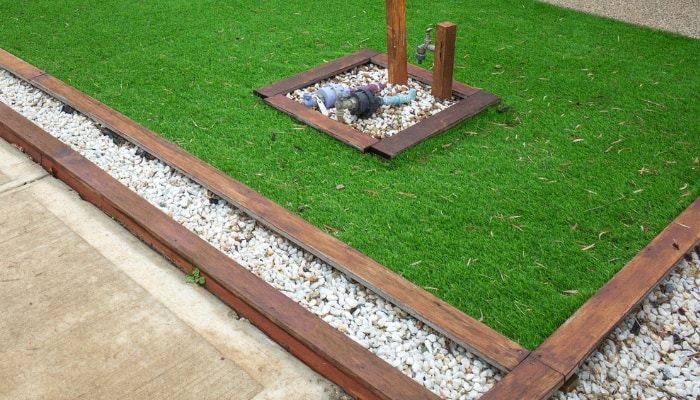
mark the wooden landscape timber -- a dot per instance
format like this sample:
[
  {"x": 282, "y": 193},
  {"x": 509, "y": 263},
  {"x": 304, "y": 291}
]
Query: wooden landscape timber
[
  {"x": 557, "y": 358},
  {"x": 303, "y": 334},
  {"x": 446, "y": 319},
  {"x": 464, "y": 330},
  {"x": 396, "y": 41},
  {"x": 529, "y": 375},
  {"x": 445, "y": 37},
  {"x": 471, "y": 101}
]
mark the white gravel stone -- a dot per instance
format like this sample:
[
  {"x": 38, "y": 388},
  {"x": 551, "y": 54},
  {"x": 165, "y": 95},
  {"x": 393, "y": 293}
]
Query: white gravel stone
[
  {"x": 661, "y": 360},
  {"x": 388, "y": 120},
  {"x": 653, "y": 354},
  {"x": 383, "y": 328}
]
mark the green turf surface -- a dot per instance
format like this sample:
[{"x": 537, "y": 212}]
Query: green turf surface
[{"x": 515, "y": 217}]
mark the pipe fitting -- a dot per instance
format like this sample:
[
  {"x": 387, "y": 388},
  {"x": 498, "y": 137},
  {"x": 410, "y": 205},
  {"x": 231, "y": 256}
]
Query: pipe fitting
[
  {"x": 363, "y": 103},
  {"x": 329, "y": 93},
  {"x": 367, "y": 103},
  {"x": 400, "y": 99}
]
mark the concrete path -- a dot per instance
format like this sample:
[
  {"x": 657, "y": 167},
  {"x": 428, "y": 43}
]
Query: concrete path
[
  {"x": 89, "y": 311},
  {"x": 677, "y": 16}
]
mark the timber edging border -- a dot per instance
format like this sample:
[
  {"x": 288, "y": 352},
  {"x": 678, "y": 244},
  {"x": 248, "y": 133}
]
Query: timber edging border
[
  {"x": 303, "y": 334},
  {"x": 471, "y": 101},
  {"x": 52, "y": 154},
  {"x": 466, "y": 331},
  {"x": 553, "y": 362}
]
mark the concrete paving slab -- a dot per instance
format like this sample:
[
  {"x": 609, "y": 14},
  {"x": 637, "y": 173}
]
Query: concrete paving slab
[
  {"x": 89, "y": 310},
  {"x": 16, "y": 169},
  {"x": 80, "y": 327}
]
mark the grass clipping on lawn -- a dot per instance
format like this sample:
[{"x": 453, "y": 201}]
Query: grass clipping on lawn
[{"x": 515, "y": 217}]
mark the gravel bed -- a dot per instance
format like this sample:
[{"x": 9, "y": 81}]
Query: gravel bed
[
  {"x": 677, "y": 16},
  {"x": 442, "y": 366},
  {"x": 653, "y": 354},
  {"x": 388, "y": 120}
]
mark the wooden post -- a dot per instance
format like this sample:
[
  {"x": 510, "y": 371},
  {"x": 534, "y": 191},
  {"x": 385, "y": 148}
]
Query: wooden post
[
  {"x": 445, "y": 37},
  {"x": 396, "y": 41}
]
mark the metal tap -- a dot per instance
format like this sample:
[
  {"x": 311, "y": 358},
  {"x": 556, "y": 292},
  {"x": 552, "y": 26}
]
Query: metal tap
[{"x": 426, "y": 46}]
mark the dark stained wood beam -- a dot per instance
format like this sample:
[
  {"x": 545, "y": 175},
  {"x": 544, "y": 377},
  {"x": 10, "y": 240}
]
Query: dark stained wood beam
[
  {"x": 396, "y": 41},
  {"x": 302, "y": 333},
  {"x": 445, "y": 37}
]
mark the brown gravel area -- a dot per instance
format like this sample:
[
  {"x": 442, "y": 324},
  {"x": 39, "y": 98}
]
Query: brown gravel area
[{"x": 678, "y": 16}]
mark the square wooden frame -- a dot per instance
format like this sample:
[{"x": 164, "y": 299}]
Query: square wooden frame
[{"x": 471, "y": 101}]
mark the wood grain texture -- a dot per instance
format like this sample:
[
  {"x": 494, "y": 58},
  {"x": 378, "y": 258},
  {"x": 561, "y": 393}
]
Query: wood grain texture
[
  {"x": 468, "y": 107},
  {"x": 305, "y": 335},
  {"x": 592, "y": 323},
  {"x": 532, "y": 380},
  {"x": 459, "y": 89},
  {"x": 559, "y": 356},
  {"x": 532, "y": 374},
  {"x": 22, "y": 69},
  {"x": 274, "y": 95},
  {"x": 315, "y": 119},
  {"x": 445, "y": 37},
  {"x": 316, "y": 74},
  {"x": 396, "y": 41},
  {"x": 30, "y": 141}
]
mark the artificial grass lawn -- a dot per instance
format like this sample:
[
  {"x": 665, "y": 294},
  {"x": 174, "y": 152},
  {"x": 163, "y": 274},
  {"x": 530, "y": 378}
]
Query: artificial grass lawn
[{"x": 514, "y": 217}]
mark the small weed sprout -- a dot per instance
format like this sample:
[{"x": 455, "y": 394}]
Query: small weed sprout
[{"x": 195, "y": 277}]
